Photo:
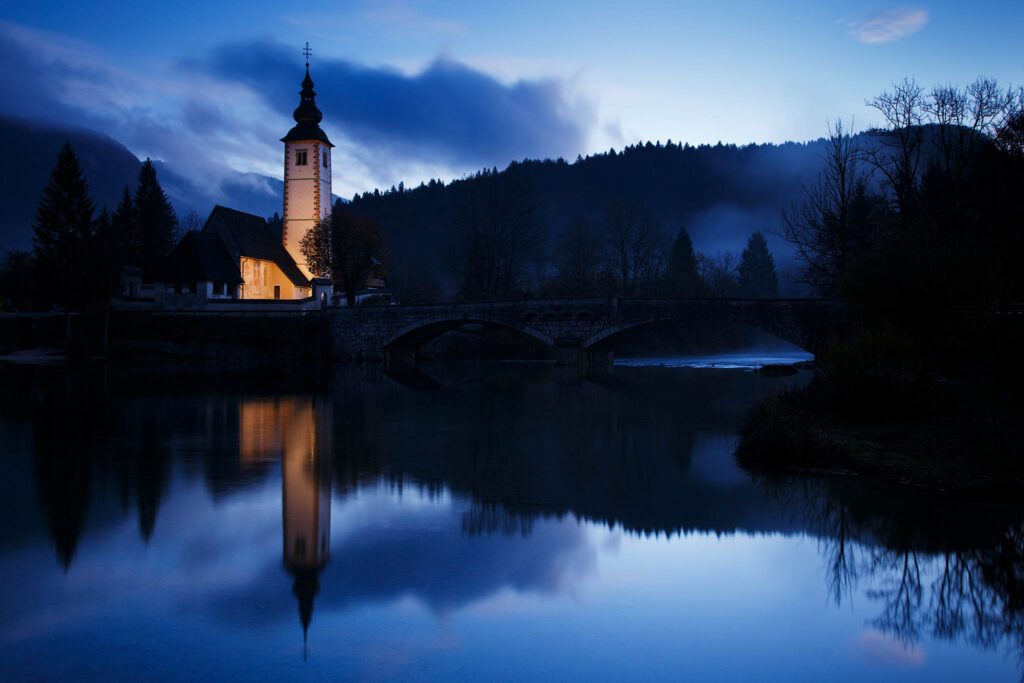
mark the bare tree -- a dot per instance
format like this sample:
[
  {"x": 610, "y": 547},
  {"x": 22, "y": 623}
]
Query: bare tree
[
  {"x": 358, "y": 251},
  {"x": 191, "y": 221},
  {"x": 963, "y": 120},
  {"x": 497, "y": 236},
  {"x": 719, "y": 273},
  {"x": 897, "y": 154},
  {"x": 835, "y": 218},
  {"x": 578, "y": 258},
  {"x": 634, "y": 247},
  {"x": 1010, "y": 131}
]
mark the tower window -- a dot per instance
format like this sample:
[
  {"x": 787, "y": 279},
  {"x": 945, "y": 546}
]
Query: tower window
[
  {"x": 300, "y": 157},
  {"x": 325, "y": 159}
]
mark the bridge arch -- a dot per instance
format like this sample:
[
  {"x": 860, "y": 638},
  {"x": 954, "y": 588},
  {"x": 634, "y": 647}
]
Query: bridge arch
[
  {"x": 608, "y": 339},
  {"x": 414, "y": 336}
]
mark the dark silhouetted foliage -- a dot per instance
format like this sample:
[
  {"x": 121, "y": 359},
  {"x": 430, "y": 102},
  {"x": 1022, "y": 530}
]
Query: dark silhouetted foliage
[
  {"x": 682, "y": 274},
  {"x": 358, "y": 251},
  {"x": 757, "y": 276},
  {"x": 156, "y": 219},
  {"x": 63, "y": 232},
  {"x": 496, "y": 239}
]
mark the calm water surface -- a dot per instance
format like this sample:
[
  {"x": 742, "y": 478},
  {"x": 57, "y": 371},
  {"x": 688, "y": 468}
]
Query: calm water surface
[{"x": 493, "y": 522}]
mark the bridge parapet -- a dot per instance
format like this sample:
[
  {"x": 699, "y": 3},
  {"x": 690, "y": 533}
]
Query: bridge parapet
[{"x": 591, "y": 326}]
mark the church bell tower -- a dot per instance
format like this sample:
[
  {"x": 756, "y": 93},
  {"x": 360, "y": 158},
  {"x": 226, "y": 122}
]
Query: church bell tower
[{"x": 307, "y": 172}]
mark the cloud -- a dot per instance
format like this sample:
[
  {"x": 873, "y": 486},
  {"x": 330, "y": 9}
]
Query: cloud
[
  {"x": 888, "y": 25},
  {"x": 214, "y": 117},
  {"x": 879, "y": 647},
  {"x": 207, "y": 131},
  {"x": 448, "y": 112}
]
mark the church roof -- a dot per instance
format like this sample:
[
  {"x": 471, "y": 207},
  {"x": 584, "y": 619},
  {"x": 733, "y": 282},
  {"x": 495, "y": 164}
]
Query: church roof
[
  {"x": 200, "y": 257},
  {"x": 307, "y": 131},
  {"x": 247, "y": 235},
  {"x": 307, "y": 116}
]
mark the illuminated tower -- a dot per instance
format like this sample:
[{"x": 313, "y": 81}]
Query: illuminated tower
[{"x": 307, "y": 172}]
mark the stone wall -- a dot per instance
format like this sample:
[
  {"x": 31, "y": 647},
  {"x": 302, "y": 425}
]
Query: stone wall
[{"x": 593, "y": 326}]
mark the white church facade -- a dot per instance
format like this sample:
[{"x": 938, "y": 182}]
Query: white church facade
[{"x": 307, "y": 174}]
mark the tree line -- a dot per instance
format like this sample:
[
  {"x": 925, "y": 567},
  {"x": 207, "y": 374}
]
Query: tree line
[
  {"x": 498, "y": 251},
  {"x": 77, "y": 255},
  {"x": 924, "y": 212}
]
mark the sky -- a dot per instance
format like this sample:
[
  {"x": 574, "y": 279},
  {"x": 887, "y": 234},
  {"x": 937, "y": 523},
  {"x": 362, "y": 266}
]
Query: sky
[{"x": 417, "y": 89}]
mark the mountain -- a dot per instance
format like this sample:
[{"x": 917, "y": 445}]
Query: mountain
[
  {"x": 31, "y": 151},
  {"x": 720, "y": 193}
]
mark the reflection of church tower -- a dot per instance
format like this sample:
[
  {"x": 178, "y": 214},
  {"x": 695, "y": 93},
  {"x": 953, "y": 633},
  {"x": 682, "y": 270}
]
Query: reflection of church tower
[
  {"x": 298, "y": 430},
  {"x": 307, "y": 172},
  {"x": 305, "y": 498}
]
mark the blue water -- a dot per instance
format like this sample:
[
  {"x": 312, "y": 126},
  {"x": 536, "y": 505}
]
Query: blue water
[
  {"x": 497, "y": 523},
  {"x": 725, "y": 361}
]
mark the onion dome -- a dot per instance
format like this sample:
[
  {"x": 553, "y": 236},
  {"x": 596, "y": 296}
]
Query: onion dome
[{"x": 307, "y": 116}]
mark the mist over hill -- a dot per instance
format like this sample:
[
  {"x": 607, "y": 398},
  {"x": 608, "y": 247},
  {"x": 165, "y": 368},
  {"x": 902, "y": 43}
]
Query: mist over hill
[
  {"x": 31, "y": 152},
  {"x": 720, "y": 193}
]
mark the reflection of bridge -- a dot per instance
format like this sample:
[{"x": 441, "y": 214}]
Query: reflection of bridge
[{"x": 580, "y": 330}]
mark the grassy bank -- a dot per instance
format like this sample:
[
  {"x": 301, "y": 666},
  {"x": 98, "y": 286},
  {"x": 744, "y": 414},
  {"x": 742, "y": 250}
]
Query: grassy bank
[{"x": 880, "y": 409}]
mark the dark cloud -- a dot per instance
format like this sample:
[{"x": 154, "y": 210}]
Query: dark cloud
[
  {"x": 448, "y": 113},
  {"x": 427, "y": 555}
]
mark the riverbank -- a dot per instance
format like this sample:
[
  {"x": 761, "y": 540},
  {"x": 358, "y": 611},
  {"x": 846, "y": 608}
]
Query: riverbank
[{"x": 955, "y": 438}]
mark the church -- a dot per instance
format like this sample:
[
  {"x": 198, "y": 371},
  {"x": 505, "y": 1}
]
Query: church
[{"x": 236, "y": 255}]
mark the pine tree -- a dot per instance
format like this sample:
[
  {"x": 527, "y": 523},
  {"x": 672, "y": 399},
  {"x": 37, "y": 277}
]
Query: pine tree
[
  {"x": 62, "y": 231},
  {"x": 156, "y": 219},
  {"x": 682, "y": 276},
  {"x": 757, "y": 276},
  {"x": 124, "y": 230}
]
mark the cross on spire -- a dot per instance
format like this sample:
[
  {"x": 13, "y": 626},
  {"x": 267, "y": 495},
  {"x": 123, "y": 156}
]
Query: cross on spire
[{"x": 306, "y": 51}]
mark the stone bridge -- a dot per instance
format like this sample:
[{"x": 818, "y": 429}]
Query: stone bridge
[{"x": 582, "y": 331}]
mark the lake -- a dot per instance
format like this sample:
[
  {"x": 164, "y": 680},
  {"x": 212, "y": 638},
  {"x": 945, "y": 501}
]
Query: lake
[{"x": 492, "y": 521}]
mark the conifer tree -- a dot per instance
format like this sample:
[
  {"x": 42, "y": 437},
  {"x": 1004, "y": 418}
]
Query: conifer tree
[
  {"x": 124, "y": 230},
  {"x": 62, "y": 231},
  {"x": 757, "y": 276},
  {"x": 682, "y": 276},
  {"x": 156, "y": 219}
]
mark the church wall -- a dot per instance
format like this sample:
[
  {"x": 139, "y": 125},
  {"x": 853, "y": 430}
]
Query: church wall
[
  {"x": 260, "y": 277},
  {"x": 325, "y": 181},
  {"x": 303, "y": 188}
]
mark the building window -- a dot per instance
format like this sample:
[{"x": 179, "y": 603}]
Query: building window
[
  {"x": 325, "y": 158},
  {"x": 277, "y": 291},
  {"x": 300, "y": 157}
]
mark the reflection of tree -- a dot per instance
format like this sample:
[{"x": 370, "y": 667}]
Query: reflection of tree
[
  {"x": 66, "y": 417},
  {"x": 618, "y": 451},
  {"x": 62, "y": 476},
  {"x": 900, "y": 593},
  {"x": 489, "y": 518},
  {"x": 928, "y": 577},
  {"x": 151, "y": 471}
]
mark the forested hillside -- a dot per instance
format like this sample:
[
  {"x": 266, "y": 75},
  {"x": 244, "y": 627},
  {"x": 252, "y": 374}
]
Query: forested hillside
[{"x": 721, "y": 194}]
